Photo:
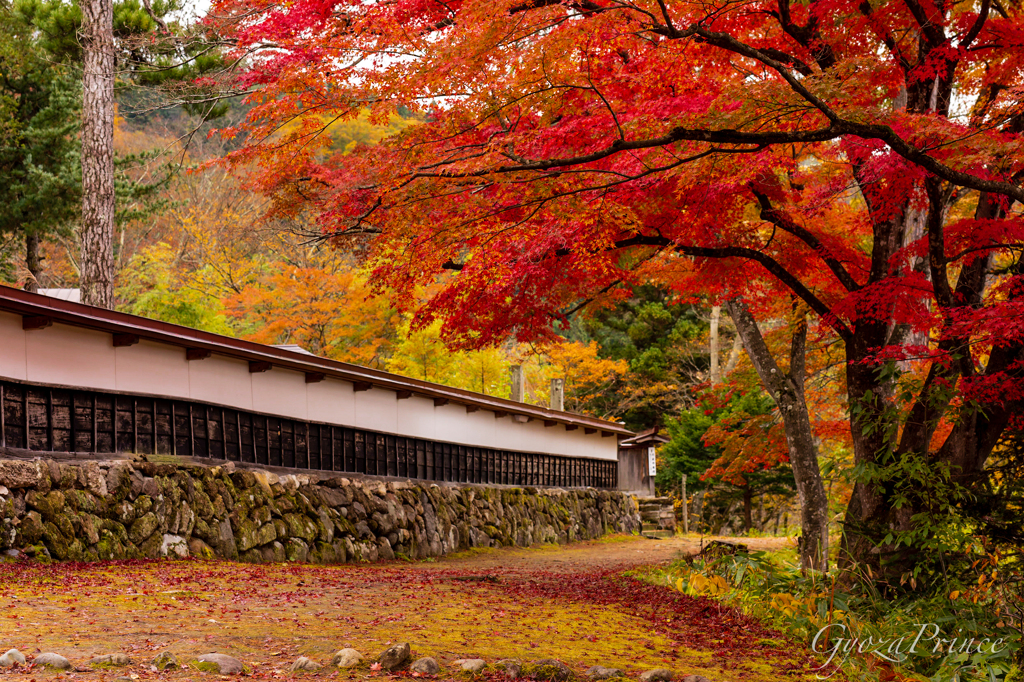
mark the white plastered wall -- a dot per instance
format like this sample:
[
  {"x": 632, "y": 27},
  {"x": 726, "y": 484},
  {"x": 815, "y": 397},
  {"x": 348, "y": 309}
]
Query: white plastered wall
[{"x": 71, "y": 356}]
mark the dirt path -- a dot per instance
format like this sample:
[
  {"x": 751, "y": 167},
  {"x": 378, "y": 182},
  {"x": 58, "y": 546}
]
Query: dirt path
[
  {"x": 570, "y": 603},
  {"x": 614, "y": 553}
]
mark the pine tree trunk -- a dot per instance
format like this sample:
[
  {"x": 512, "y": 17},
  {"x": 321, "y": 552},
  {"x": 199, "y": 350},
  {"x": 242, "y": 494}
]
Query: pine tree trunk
[
  {"x": 787, "y": 389},
  {"x": 32, "y": 263},
  {"x": 97, "y": 237}
]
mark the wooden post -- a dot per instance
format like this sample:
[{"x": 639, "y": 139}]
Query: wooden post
[
  {"x": 686, "y": 517},
  {"x": 518, "y": 391},
  {"x": 558, "y": 394}
]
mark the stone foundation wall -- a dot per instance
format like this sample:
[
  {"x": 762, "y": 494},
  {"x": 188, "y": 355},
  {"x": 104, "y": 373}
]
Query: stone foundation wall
[{"x": 91, "y": 510}]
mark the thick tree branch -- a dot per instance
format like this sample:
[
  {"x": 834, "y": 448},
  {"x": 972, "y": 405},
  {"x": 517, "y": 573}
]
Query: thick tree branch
[
  {"x": 979, "y": 23},
  {"x": 784, "y": 222}
]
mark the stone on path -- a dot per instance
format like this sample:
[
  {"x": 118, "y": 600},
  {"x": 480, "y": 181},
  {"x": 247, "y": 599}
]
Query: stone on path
[
  {"x": 513, "y": 667},
  {"x": 51, "y": 660},
  {"x": 656, "y": 675},
  {"x": 695, "y": 678},
  {"x": 394, "y": 657},
  {"x": 601, "y": 673},
  {"x": 305, "y": 664},
  {"x": 472, "y": 665},
  {"x": 550, "y": 670},
  {"x": 226, "y": 665},
  {"x": 13, "y": 656},
  {"x": 110, "y": 659},
  {"x": 165, "y": 660},
  {"x": 347, "y": 658},
  {"x": 425, "y": 666}
]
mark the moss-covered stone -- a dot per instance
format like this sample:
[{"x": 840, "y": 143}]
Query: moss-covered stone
[
  {"x": 151, "y": 547},
  {"x": 109, "y": 547},
  {"x": 261, "y": 514},
  {"x": 118, "y": 530},
  {"x": 55, "y": 541},
  {"x": 41, "y": 503},
  {"x": 251, "y": 556},
  {"x": 336, "y": 520},
  {"x": 81, "y": 500},
  {"x": 547, "y": 670},
  {"x": 165, "y": 661},
  {"x": 65, "y": 523},
  {"x": 296, "y": 550},
  {"x": 245, "y": 534},
  {"x": 142, "y": 528},
  {"x": 143, "y": 505},
  {"x": 119, "y": 482},
  {"x": 300, "y": 526},
  {"x": 265, "y": 534},
  {"x": 30, "y": 531}
]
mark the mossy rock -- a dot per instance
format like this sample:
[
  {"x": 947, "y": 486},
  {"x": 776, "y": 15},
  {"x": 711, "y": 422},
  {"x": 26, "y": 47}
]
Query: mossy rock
[
  {"x": 143, "y": 505},
  {"x": 165, "y": 661},
  {"x": 245, "y": 534},
  {"x": 76, "y": 551},
  {"x": 251, "y": 556},
  {"x": 109, "y": 547},
  {"x": 81, "y": 500},
  {"x": 119, "y": 482},
  {"x": 55, "y": 541},
  {"x": 151, "y": 547},
  {"x": 142, "y": 528},
  {"x": 547, "y": 670},
  {"x": 206, "y": 667},
  {"x": 202, "y": 505},
  {"x": 281, "y": 529},
  {"x": 40, "y": 502}
]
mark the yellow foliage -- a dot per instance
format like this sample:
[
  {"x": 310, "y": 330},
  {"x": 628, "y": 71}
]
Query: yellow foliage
[{"x": 700, "y": 585}]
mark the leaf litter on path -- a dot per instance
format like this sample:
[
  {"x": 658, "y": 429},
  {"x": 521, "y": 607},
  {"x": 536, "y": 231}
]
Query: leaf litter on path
[{"x": 571, "y": 603}]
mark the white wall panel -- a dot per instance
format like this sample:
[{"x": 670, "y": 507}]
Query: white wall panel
[
  {"x": 281, "y": 392},
  {"x": 221, "y": 380},
  {"x": 331, "y": 401},
  {"x": 417, "y": 417},
  {"x": 71, "y": 356},
  {"x": 12, "y": 347},
  {"x": 377, "y": 410},
  {"x": 154, "y": 368}
]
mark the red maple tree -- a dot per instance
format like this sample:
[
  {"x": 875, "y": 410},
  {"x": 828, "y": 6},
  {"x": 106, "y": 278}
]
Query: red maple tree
[{"x": 860, "y": 157}]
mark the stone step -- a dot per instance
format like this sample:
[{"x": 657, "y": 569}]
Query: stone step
[
  {"x": 658, "y": 534},
  {"x": 651, "y": 526}
]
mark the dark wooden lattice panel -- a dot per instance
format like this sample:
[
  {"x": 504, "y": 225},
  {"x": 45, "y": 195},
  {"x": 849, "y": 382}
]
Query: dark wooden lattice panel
[{"x": 70, "y": 420}]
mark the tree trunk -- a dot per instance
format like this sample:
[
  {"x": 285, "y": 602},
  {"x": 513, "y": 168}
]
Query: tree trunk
[
  {"x": 734, "y": 355},
  {"x": 747, "y": 509},
  {"x": 33, "y": 263},
  {"x": 787, "y": 389},
  {"x": 716, "y": 375},
  {"x": 877, "y": 512},
  {"x": 97, "y": 236}
]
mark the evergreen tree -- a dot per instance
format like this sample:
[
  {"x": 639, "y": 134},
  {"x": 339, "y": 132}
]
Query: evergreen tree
[{"x": 40, "y": 176}]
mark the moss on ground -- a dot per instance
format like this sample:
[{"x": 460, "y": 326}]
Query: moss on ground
[{"x": 269, "y": 615}]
